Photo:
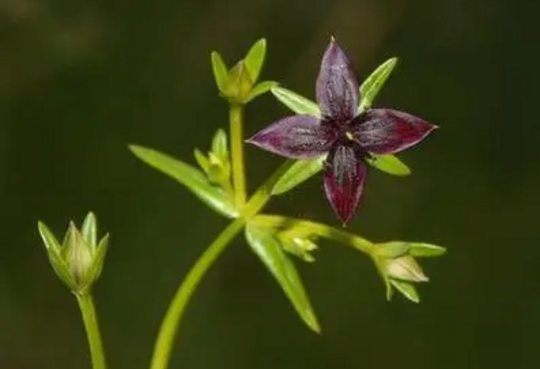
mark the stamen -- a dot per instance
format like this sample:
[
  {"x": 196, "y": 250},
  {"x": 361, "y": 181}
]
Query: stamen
[{"x": 349, "y": 136}]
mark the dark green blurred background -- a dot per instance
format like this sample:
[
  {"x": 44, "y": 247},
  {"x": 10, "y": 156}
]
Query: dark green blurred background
[{"x": 81, "y": 79}]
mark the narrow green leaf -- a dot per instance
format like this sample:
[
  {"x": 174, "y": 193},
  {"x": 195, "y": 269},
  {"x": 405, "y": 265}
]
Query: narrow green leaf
[
  {"x": 390, "y": 164},
  {"x": 260, "y": 89},
  {"x": 419, "y": 249},
  {"x": 296, "y": 102},
  {"x": 373, "y": 84},
  {"x": 299, "y": 172},
  {"x": 89, "y": 230},
  {"x": 255, "y": 59},
  {"x": 219, "y": 145},
  {"x": 270, "y": 251},
  {"x": 221, "y": 74},
  {"x": 190, "y": 177},
  {"x": 407, "y": 289}
]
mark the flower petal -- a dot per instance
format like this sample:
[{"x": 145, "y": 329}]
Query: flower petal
[
  {"x": 295, "y": 137},
  {"x": 386, "y": 131},
  {"x": 337, "y": 85},
  {"x": 344, "y": 181}
]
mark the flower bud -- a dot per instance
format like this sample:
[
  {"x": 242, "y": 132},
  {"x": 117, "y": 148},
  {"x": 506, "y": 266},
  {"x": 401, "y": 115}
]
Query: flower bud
[
  {"x": 79, "y": 260},
  {"x": 404, "y": 268}
]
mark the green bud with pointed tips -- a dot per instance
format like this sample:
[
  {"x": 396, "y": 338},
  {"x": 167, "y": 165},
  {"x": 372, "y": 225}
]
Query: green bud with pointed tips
[
  {"x": 78, "y": 261},
  {"x": 239, "y": 85}
]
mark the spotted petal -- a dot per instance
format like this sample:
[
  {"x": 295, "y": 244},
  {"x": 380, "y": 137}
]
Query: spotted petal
[
  {"x": 344, "y": 179},
  {"x": 387, "y": 131},
  {"x": 295, "y": 137},
  {"x": 337, "y": 85}
]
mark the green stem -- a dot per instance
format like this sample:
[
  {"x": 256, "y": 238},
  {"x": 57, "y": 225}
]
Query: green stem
[
  {"x": 236, "y": 113},
  {"x": 319, "y": 229},
  {"x": 171, "y": 321},
  {"x": 88, "y": 311}
]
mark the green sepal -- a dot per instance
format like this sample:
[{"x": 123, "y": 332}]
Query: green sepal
[
  {"x": 89, "y": 230},
  {"x": 220, "y": 147},
  {"x": 54, "y": 252},
  {"x": 202, "y": 160},
  {"x": 99, "y": 259},
  {"x": 424, "y": 250},
  {"x": 299, "y": 172},
  {"x": 239, "y": 85},
  {"x": 389, "y": 163},
  {"x": 407, "y": 289},
  {"x": 296, "y": 102},
  {"x": 372, "y": 85},
  {"x": 261, "y": 88},
  {"x": 190, "y": 177},
  {"x": 221, "y": 74},
  {"x": 391, "y": 249},
  {"x": 269, "y": 250},
  {"x": 254, "y": 59},
  {"x": 78, "y": 256}
]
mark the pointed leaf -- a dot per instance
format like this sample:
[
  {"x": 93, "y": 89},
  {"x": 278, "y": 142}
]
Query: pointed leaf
[
  {"x": 219, "y": 145},
  {"x": 190, "y": 177},
  {"x": 296, "y": 102},
  {"x": 425, "y": 249},
  {"x": 407, "y": 289},
  {"x": 255, "y": 59},
  {"x": 373, "y": 84},
  {"x": 221, "y": 75},
  {"x": 89, "y": 230},
  {"x": 260, "y": 89},
  {"x": 390, "y": 164},
  {"x": 299, "y": 172},
  {"x": 269, "y": 250}
]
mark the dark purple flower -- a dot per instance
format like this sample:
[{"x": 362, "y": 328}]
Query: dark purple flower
[{"x": 345, "y": 135}]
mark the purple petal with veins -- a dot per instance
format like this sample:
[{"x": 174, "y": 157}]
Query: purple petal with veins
[
  {"x": 386, "y": 131},
  {"x": 344, "y": 179},
  {"x": 295, "y": 137},
  {"x": 337, "y": 86}
]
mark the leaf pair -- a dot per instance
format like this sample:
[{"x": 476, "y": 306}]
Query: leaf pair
[
  {"x": 305, "y": 169},
  {"x": 239, "y": 84}
]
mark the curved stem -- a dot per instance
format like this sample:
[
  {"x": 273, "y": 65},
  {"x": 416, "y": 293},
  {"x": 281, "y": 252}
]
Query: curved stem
[
  {"x": 319, "y": 229},
  {"x": 236, "y": 113},
  {"x": 171, "y": 321},
  {"x": 88, "y": 311}
]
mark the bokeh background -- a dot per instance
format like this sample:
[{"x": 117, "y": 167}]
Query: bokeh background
[{"x": 80, "y": 79}]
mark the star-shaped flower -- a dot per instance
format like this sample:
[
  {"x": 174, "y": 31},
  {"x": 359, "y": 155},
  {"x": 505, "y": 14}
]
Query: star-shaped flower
[{"x": 349, "y": 138}]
